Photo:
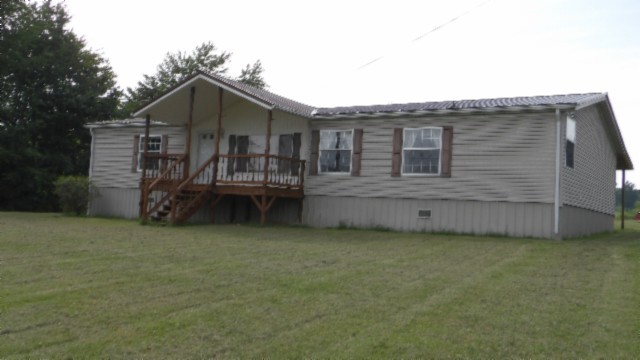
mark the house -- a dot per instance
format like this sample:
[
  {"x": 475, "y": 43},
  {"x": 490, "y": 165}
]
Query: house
[{"x": 213, "y": 149}]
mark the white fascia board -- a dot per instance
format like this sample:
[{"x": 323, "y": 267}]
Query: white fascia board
[{"x": 226, "y": 87}]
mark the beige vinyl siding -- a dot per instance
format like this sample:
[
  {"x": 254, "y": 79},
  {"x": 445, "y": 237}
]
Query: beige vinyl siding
[
  {"x": 496, "y": 157},
  {"x": 591, "y": 183},
  {"x": 113, "y": 152}
]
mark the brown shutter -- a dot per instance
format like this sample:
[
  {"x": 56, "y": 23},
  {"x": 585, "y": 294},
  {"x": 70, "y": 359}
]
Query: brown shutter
[
  {"x": 232, "y": 151},
  {"x": 396, "y": 157},
  {"x": 165, "y": 144},
  {"x": 136, "y": 149},
  {"x": 243, "y": 148},
  {"x": 285, "y": 149},
  {"x": 447, "y": 151},
  {"x": 315, "y": 148},
  {"x": 232, "y": 144},
  {"x": 357, "y": 152},
  {"x": 297, "y": 143}
]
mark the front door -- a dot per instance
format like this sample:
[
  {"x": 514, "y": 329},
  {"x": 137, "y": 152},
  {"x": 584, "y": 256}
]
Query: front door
[{"x": 205, "y": 152}]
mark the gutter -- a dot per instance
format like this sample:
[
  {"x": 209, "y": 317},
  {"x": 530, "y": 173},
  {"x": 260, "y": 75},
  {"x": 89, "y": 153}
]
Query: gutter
[{"x": 93, "y": 148}]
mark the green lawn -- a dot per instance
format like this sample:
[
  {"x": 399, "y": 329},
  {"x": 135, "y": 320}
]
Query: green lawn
[{"x": 84, "y": 288}]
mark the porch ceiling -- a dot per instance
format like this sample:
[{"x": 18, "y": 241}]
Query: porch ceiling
[{"x": 173, "y": 107}]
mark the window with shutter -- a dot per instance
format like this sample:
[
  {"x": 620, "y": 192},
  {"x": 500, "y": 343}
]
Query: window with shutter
[
  {"x": 422, "y": 151},
  {"x": 335, "y": 150},
  {"x": 155, "y": 147}
]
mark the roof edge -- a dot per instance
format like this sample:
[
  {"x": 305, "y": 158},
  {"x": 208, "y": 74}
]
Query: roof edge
[
  {"x": 124, "y": 123},
  {"x": 623, "y": 158},
  {"x": 386, "y": 114},
  {"x": 199, "y": 74}
]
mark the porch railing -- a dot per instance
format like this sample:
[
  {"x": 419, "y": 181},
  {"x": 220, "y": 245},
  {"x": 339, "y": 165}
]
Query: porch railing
[
  {"x": 167, "y": 191},
  {"x": 249, "y": 169},
  {"x": 165, "y": 166},
  {"x": 241, "y": 169}
]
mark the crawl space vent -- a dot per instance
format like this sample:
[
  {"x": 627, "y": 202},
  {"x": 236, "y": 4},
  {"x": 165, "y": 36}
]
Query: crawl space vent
[{"x": 424, "y": 214}]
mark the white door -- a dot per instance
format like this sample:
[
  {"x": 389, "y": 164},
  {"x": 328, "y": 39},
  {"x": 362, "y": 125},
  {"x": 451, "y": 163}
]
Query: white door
[{"x": 205, "y": 152}]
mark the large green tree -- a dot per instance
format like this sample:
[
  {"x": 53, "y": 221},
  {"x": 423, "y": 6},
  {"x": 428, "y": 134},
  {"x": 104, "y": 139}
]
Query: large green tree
[
  {"x": 51, "y": 85},
  {"x": 177, "y": 65}
]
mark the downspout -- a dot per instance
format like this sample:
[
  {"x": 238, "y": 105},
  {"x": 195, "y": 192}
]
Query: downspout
[
  {"x": 556, "y": 204},
  {"x": 622, "y": 201},
  {"x": 93, "y": 148}
]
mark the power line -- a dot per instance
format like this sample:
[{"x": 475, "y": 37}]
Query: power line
[{"x": 432, "y": 30}]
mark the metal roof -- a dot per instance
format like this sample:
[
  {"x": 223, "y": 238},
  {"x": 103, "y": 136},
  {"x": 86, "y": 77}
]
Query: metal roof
[
  {"x": 573, "y": 100},
  {"x": 133, "y": 122}
]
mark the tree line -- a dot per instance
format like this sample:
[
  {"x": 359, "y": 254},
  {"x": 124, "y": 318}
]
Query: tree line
[
  {"x": 631, "y": 196},
  {"x": 52, "y": 84}
]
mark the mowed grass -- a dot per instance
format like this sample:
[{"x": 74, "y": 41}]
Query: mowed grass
[{"x": 86, "y": 288}]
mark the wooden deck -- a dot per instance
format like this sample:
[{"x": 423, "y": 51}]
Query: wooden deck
[{"x": 171, "y": 194}]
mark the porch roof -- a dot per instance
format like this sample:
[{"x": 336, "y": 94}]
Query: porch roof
[{"x": 172, "y": 104}]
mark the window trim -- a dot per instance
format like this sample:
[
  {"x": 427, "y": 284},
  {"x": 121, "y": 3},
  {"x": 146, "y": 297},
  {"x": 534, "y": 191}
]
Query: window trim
[
  {"x": 334, "y": 173},
  {"x": 404, "y": 137},
  {"x": 141, "y": 149}
]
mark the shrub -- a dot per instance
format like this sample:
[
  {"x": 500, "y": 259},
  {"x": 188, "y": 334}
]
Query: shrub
[{"x": 74, "y": 193}]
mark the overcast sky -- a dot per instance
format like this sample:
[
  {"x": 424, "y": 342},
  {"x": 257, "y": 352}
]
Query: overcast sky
[{"x": 314, "y": 51}]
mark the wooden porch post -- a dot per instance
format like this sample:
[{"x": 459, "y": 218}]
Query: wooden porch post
[
  {"x": 622, "y": 201},
  {"x": 267, "y": 149},
  {"x": 216, "y": 156},
  {"x": 218, "y": 131},
  {"x": 265, "y": 177},
  {"x": 144, "y": 191},
  {"x": 187, "y": 160}
]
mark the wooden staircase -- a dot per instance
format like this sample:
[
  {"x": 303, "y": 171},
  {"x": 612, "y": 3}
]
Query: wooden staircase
[
  {"x": 170, "y": 195},
  {"x": 172, "y": 199},
  {"x": 187, "y": 203}
]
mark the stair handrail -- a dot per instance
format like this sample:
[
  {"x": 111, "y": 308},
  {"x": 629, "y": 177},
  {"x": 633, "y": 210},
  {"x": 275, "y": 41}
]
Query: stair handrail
[
  {"x": 159, "y": 203},
  {"x": 167, "y": 171},
  {"x": 195, "y": 174}
]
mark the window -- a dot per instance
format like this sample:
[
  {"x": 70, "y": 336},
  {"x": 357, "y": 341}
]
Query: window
[
  {"x": 570, "y": 142},
  {"x": 335, "y": 151},
  {"x": 155, "y": 146},
  {"x": 421, "y": 150}
]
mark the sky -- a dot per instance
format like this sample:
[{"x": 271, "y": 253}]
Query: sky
[{"x": 322, "y": 52}]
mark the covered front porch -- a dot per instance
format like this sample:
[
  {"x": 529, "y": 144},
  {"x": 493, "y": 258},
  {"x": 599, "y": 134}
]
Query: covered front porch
[{"x": 175, "y": 186}]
